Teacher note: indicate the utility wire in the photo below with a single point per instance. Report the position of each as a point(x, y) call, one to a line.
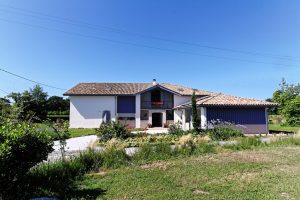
point(147, 46)
point(116, 30)
point(27, 79)
point(3, 91)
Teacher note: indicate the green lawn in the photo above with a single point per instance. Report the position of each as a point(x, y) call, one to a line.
point(278, 127)
point(268, 173)
point(77, 132)
point(74, 132)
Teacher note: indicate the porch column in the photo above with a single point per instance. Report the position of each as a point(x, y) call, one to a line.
point(138, 111)
point(183, 120)
point(203, 117)
point(164, 118)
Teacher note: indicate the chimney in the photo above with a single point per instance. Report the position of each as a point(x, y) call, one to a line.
point(154, 82)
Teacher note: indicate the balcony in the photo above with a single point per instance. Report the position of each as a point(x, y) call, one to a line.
point(157, 104)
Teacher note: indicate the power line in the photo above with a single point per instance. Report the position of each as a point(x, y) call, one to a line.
point(3, 91)
point(147, 46)
point(27, 79)
point(116, 30)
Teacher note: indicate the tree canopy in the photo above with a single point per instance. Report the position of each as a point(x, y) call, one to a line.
point(36, 103)
point(288, 99)
point(195, 116)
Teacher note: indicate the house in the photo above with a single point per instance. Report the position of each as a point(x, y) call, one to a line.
point(142, 105)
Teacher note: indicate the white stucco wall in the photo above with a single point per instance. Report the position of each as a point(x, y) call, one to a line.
point(86, 111)
point(178, 114)
point(181, 99)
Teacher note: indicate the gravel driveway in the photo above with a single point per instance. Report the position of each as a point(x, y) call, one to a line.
point(73, 147)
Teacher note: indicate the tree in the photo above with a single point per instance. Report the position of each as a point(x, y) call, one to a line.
point(57, 104)
point(33, 103)
point(22, 147)
point(196, 119)
point(287, 98)
point(4, 106)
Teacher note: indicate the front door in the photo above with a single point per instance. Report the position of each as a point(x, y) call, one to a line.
point(156, 119)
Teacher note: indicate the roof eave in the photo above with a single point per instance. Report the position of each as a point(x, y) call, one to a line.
point(161, 87)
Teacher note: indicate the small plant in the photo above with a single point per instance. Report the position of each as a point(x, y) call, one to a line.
point(61, 131)
point(149, 125)
point(175, 129)
point(114, 129)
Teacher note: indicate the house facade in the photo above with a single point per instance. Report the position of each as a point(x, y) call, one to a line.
point(146, 105)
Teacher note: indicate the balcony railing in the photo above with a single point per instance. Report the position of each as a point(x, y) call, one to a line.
point(157, 104)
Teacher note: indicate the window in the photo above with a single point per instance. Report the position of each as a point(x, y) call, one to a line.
point(144, 114)
point(155, 96)
point(106, 116)
point(170, 114)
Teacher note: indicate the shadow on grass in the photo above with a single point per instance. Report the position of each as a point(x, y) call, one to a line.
point(86, 193)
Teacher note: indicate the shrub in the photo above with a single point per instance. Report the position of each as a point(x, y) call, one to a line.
point(223, 131)
point(22, 147)
point(175, 129)
point(114, 129)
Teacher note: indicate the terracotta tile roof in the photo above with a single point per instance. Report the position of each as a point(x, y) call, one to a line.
point(207, 99)
point(126, 89)
point(219, 99)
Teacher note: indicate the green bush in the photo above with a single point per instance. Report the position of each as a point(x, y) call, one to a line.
point(114, 129)
point(22, 147)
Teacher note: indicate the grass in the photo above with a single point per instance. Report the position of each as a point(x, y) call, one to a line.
point(76, 132)
point(278, 127)
point(267, 173)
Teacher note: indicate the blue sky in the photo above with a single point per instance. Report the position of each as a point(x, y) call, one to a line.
point(62, 43)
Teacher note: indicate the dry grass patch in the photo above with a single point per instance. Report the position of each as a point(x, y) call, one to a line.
point(161, 165)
